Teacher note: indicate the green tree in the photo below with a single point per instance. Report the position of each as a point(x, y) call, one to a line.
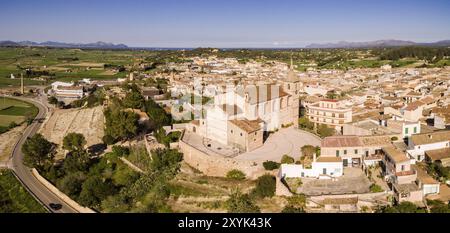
point(265, 186)
point(404, 207)
point(120, 125)
point(241, 203)
point(158, 116)
point(74, 142)
point(325, 131)
point(53, 100)
point(166, 161)
point(134, 99)
point(287, 159)
point(38, 152)
point(235, 174)
point(71, 184)
point(94, 190)
point(271, 165)
point(308, 150)
point(438, 206)
point(305, 123)
point(76, 161)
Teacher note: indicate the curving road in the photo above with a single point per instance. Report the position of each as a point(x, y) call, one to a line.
point(36, 188)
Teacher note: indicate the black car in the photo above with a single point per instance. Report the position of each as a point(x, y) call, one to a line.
point(55, 206)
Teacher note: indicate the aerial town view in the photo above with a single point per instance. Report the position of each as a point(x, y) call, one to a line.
point(225, 107)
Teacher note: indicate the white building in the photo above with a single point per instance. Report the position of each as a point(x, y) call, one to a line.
point(322, 166)
point(329, 112)
point(419, 144)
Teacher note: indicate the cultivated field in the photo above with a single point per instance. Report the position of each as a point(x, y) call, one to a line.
point(12, 110)
point(62, 64)
point(15, 198)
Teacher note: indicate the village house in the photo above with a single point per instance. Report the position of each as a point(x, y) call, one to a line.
point(348, 148)
point(401, 176)
point(419, 144)
point(321, 168)
point(329, 112)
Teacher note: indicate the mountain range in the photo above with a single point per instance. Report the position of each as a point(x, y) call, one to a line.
point(53, 44)
point(341, 44)
point(378, 44)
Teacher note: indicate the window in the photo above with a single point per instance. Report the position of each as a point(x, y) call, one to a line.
point(345, 152)
point(356, 152)
point(241, 134)
point(415, 129)
point(256, 133)
point(406, 130)
point(337, 153)
point(231, 131)
point(403, 167)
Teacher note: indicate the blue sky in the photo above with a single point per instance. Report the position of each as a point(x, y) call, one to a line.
point(224, 23)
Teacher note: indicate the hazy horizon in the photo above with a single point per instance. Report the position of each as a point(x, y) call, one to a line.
point(224, 24)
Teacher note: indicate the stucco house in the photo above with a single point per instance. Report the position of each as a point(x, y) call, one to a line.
point(418, 144)
point(348, 148)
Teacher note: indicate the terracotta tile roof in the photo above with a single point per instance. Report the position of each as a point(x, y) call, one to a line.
point(428, 100)
point(414, 105)
point(262, 93)
point(342, 141)
point(323, 159)
point(247, 125)
point(438, 154)
point(396, 155)
point(423, 176)
point(428, 138)
point(376, 140)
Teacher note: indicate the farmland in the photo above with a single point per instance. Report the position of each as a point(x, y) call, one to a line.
point(60, 64)
point(14, 197)
point(14, 111)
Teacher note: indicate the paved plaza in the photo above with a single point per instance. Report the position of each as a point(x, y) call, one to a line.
point(285, 141)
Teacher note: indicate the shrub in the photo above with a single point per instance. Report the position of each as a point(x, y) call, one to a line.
point(308, 150)
point(271, 165)
point(236, 175)
point(374, 188)
point(265, 186)
point(287, 159)
point(325, 131)
point(241, 203)
point(292, 209)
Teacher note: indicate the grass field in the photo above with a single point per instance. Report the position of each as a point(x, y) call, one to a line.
point(14, 198)
point(58, 61)
point(12, 110)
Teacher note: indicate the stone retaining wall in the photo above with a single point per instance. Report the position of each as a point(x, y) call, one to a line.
point(214, 165)
point(60, 194)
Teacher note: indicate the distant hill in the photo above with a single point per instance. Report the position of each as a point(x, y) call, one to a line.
point(377, 44)
point(8, 43)
point(54, 44)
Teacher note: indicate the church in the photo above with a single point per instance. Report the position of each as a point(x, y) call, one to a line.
point(242, 115)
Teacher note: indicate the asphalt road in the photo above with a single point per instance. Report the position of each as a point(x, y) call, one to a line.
point(36, 188)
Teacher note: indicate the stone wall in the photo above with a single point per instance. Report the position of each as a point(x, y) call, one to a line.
point(60, 194)
point(216, 165)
